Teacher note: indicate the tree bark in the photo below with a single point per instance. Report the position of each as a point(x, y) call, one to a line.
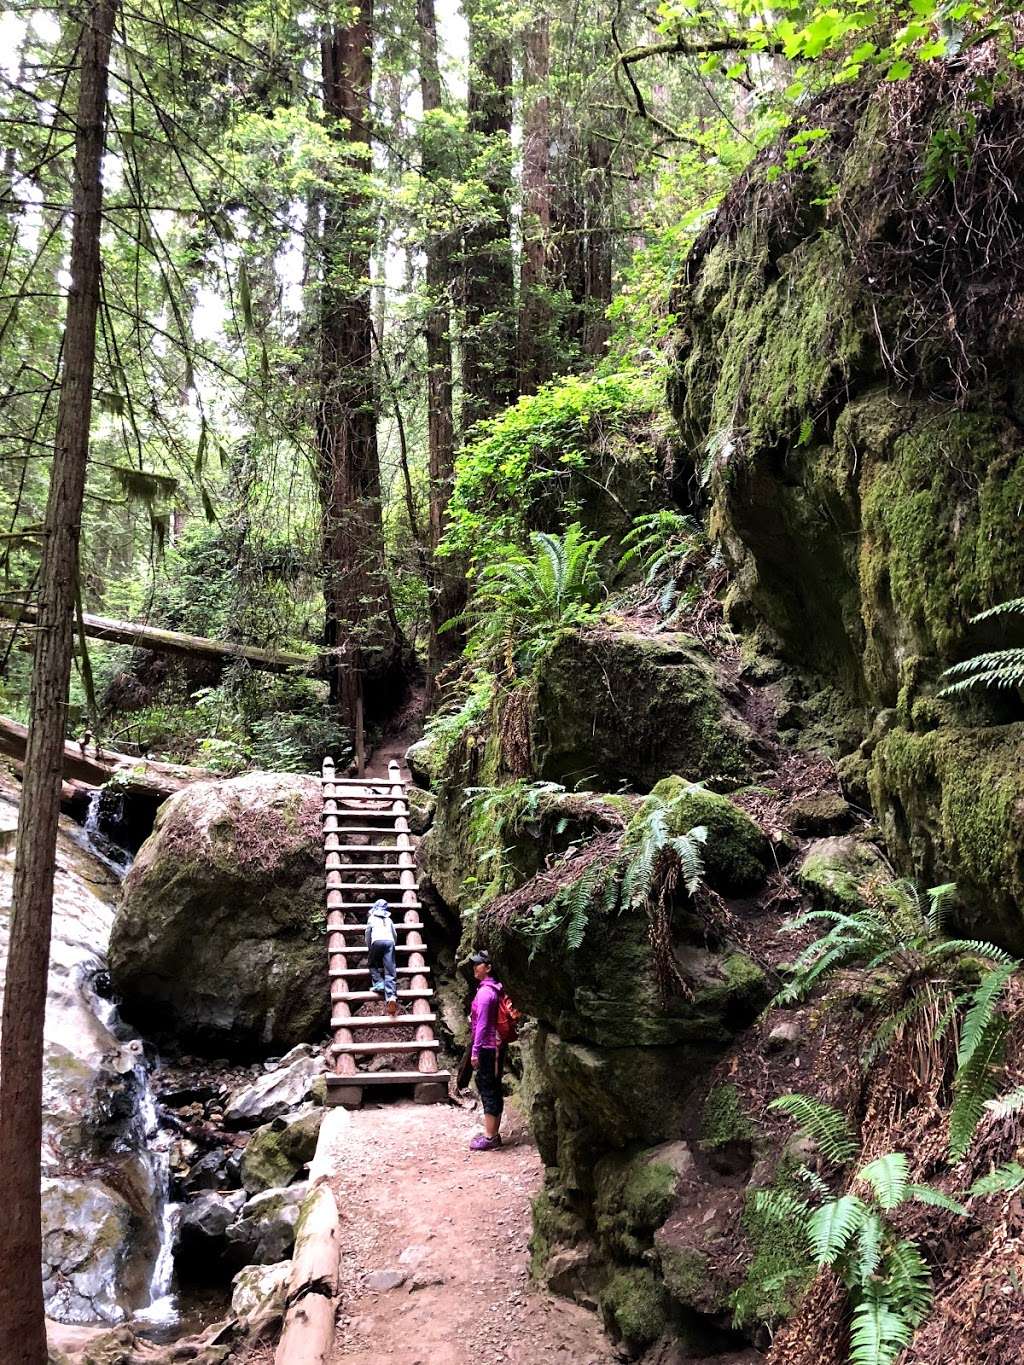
point(361, 631)
point(488, 321)
point(447, 577)
point(598, 262)
point(22, 1324)
point(534, 349)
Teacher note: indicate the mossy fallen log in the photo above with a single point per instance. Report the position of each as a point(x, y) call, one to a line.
point(181, 645)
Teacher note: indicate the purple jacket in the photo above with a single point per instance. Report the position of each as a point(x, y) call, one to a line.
point(484, 1014)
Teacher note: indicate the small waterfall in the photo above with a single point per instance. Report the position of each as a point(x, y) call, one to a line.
point(90, 837)
point(162, 1309)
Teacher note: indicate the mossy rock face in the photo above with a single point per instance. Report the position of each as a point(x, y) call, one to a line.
point(951, 803)
point(634, 1307)
point(833, 870)
point(619, 708)
point(217, 941)
point(634, 1195)
point(736, 853)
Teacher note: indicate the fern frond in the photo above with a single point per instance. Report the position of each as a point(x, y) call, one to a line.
point(892, 1023)
point(782, 1207)
point(888, 1177)
point(870, 1235)
point(971, 947)
point(974, 1084)
point(877, 1331)
point(939, 900)
point(1003, 1180)
point(984, 1002)
point(1014, 606)
point(1010, 1103)
point(831, 1228)
point(909, 1281)
point(827, 1126)
point(924, 1194)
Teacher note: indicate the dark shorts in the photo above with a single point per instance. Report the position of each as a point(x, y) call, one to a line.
point(488, 1082)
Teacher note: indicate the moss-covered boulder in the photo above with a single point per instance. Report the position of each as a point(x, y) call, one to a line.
point(277, 1152)
point(634, 1195)
point(736, 853)
point(634, 1306)
point(951, 802)
point(217, 941)
point(617, 708)
point(832, 871)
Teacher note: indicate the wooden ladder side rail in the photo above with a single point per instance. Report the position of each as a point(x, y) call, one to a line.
point(344, 1064)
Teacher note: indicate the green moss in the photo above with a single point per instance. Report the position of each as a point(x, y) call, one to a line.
point(634, 1307)
point(632, 1199)
point(952, 805)
point(779, 1271)
point(724, 1119)
point(685, 1272)
point(736, 853)
point(554, 1226)
point(628, 708)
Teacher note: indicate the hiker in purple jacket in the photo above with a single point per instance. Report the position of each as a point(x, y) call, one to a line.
point(484, 1049)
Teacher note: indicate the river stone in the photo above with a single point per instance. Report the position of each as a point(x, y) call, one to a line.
point(273, 1094)
point(279, 1150)
point(265, 1232)
point(258, 1289)
point(86, 1229)
point(217, 941)
point(202, 1232)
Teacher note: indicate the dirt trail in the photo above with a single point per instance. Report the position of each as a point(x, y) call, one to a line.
point(453, 1226)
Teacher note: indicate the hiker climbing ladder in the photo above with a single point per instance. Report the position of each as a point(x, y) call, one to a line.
point(369, 856)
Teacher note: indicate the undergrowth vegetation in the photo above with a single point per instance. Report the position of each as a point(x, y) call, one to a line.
point(947, 989)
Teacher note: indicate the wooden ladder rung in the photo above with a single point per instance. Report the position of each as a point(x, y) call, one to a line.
point(371, 886)
point(362, 781)
point(363, 1078)
point(361, 829)
point(358, 950)
point(361, 928)
point(365, 971)
point(365, 905)
point(381, 1020)
point(386, 1045)
point(373, 867)
point(425, 994)
point(370, 848)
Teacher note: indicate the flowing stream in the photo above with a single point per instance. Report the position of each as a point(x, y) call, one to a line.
point(154, 1138)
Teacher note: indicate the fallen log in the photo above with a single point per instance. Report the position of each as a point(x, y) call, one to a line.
point(88, 765)
point(176, 643)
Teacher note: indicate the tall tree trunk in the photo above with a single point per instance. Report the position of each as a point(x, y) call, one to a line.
point(488, 323)
point(361, 632)
point(598, 262)
point(534, 350)
point(447, 577)
point(22, 1325)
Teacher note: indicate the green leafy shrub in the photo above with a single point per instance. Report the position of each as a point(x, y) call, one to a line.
point(885, 1276)
point(546, 461)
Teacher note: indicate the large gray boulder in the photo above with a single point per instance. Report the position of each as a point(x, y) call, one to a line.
point(275, 1093)
point(218, 939)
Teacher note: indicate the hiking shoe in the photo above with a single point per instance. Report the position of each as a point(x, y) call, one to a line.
point(482, 1143)
point(392, 1008)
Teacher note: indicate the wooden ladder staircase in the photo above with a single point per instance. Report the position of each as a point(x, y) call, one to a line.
point(368, 854)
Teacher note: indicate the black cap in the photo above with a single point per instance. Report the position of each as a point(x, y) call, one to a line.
point(482, 956)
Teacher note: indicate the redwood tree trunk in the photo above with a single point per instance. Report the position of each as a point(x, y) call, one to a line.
point(447, 577)
point(535, 362)
point(22, 1324)
point(488, 322)
point(361, 633)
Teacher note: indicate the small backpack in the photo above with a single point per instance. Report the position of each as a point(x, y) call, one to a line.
point(508, 1020)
